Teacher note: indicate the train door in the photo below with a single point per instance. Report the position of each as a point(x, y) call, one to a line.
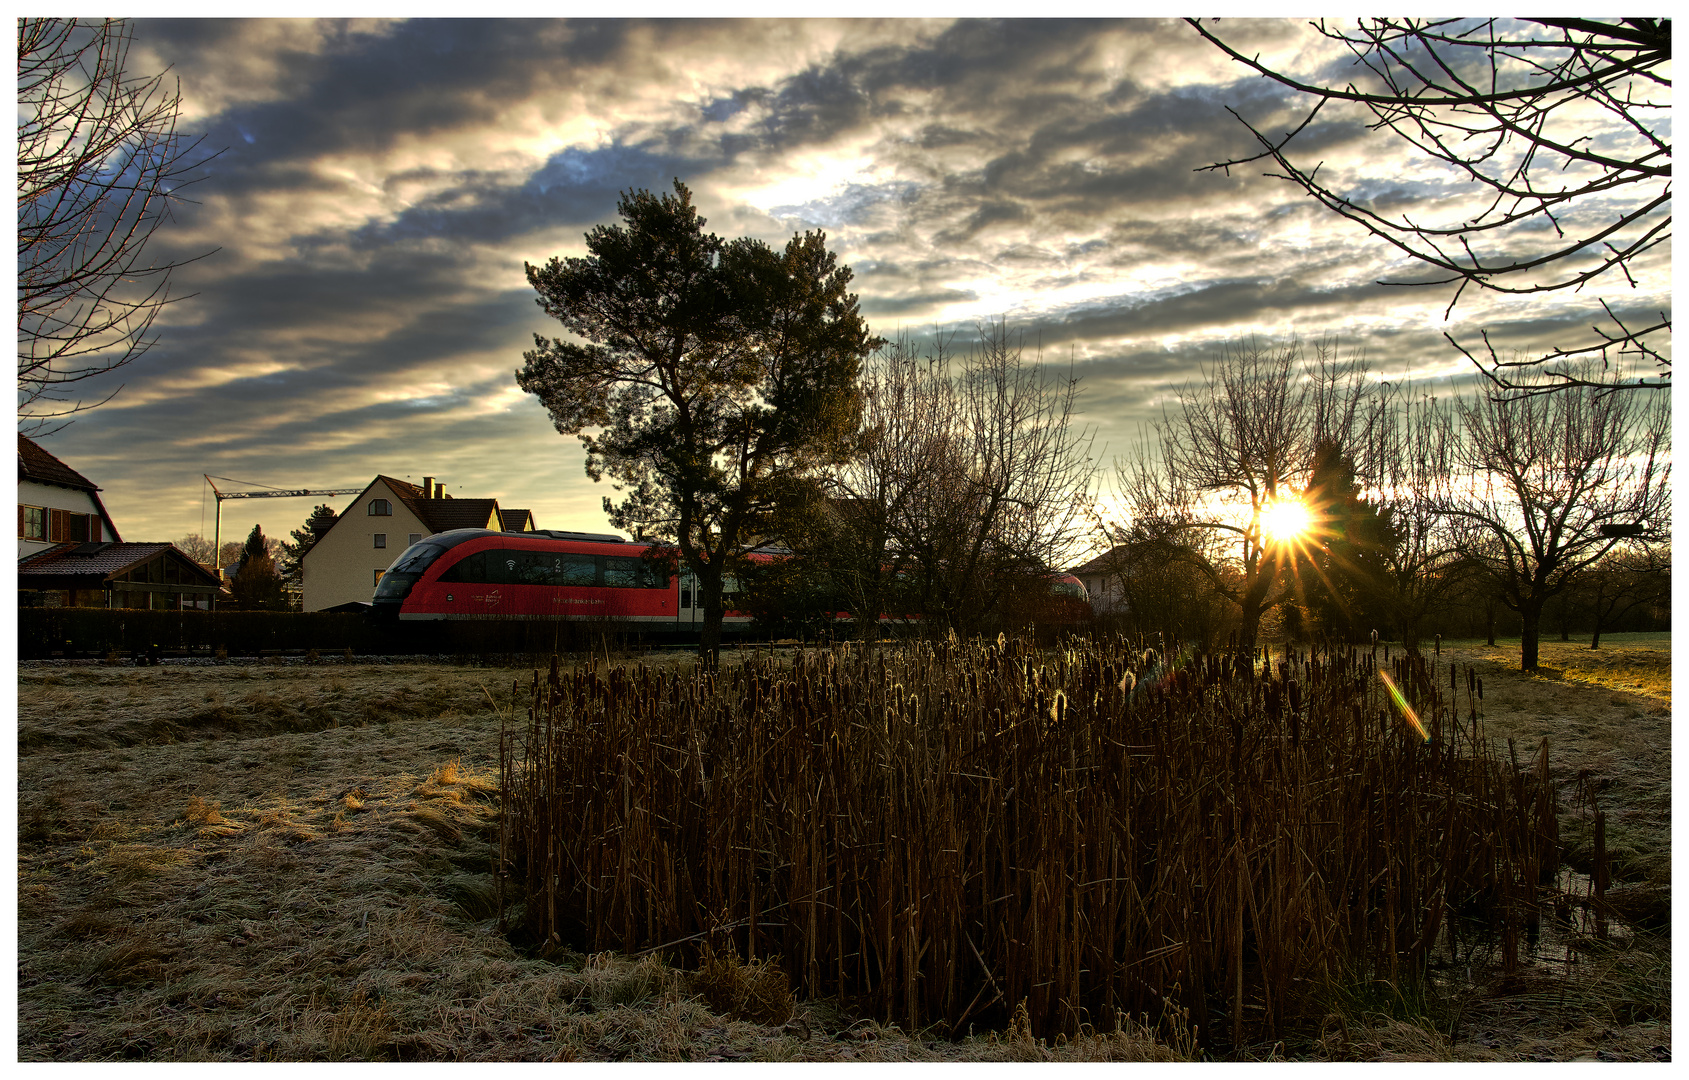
point(691, 613)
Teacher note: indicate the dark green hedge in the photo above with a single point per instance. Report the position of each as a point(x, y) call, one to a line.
point(47, 632)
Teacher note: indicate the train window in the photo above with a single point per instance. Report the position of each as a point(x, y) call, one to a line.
point(623, 573)
point(579, 570)
point(547, 568)
point(469, 568)
point(508, 566)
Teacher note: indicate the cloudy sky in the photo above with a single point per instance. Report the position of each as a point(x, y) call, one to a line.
point(382, 184)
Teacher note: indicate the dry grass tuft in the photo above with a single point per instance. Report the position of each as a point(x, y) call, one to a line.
point(201, 812)
point(757, 991)
point(359, 1031)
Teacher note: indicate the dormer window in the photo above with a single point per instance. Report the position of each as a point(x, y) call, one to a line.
point(380, 508)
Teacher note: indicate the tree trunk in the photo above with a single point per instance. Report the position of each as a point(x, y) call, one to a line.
point(709, 635)
point(1600, 613)
point(1530, 629)
point(1249, 626)
point(1489, 618)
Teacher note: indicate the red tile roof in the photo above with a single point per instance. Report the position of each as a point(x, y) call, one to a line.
point(443, 514)
point(37, 464)
point(99, 560)
point(516, 520)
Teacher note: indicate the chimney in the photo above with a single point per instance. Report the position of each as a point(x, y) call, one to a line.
point(427, 487)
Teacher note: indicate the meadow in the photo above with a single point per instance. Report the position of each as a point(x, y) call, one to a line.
point(270, 861)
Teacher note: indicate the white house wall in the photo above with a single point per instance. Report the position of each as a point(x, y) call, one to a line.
point(54, 497)
point(341, 567)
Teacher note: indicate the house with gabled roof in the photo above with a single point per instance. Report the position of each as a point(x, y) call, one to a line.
point(56, 504)
point(344, 564)
point(1104, 582)
point(110, 574)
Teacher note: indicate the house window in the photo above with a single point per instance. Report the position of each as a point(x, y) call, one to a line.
point(64, 526)
point(378, 574)
point(415, 538)
point(380, 508)
point(32, 523)
point(380, 540)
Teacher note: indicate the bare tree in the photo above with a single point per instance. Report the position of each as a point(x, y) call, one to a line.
point(972, 486)
point(197, 548)
point(1546, 485)
point(1627, 578)
point(1242, 440)
point(100, 163)
point(1561, 129)
point(1411, 469)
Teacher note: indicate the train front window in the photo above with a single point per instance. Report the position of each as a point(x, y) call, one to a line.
point(416, 558)
point(394, 585)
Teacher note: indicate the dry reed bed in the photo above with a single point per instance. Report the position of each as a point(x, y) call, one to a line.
point(944, 835)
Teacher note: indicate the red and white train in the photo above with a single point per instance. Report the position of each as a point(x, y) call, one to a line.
point(602, 578)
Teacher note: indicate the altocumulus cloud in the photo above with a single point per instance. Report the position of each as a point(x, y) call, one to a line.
point(384, 182)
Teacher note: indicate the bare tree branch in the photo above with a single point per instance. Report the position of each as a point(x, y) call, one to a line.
point(1558, 133)
point(100, 164)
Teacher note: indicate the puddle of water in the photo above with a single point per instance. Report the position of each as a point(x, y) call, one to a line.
point(1564, 924)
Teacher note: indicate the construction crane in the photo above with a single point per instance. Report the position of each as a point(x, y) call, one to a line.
point(274, 493)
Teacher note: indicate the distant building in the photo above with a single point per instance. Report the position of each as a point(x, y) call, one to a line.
point(56, 504)
point(345, 563)
point(109, 574)
point(1102, 577)
point(516, 520)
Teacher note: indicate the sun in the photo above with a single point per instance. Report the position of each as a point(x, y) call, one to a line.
point(1286, 520)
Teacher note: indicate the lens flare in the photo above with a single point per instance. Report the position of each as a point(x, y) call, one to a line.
point(1285, 520)
point(1401, 703)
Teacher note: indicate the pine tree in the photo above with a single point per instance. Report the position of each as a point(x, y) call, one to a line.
point(715, 377)
point(1344, 576)
point(292, 561)
point(257, 585)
